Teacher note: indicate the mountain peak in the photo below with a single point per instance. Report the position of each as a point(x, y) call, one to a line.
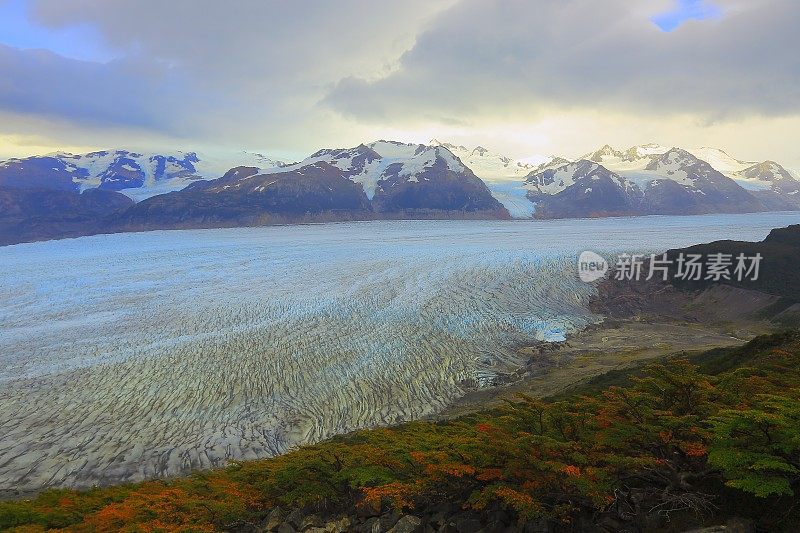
point(643, 151)
point(767, 171)
point(605, 151)
point(673, 160)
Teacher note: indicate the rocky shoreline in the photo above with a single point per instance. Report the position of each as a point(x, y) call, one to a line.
point(448, 518)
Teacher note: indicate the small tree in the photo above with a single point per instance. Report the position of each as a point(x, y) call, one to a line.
point(758, 448)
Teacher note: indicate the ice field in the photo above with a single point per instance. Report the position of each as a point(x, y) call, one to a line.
point(137, 355)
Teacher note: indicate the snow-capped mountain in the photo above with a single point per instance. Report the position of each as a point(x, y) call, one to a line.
point(135, 174)
point(684, 184)
point(383, 179)
point(554, 180)
point(397, 176)
point(634, 158)
point(629, 158)
point(582, 189)
point(769, 181)
point(553, 162)
point(772, 183)
point(640, 156)
point(40, 172)
point(369, 164)
point(774, 174)
point(603, 154)
point(644, 166)
point(648, 180)
point(636, 164)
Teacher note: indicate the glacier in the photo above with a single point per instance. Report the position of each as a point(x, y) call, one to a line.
point(139, 355)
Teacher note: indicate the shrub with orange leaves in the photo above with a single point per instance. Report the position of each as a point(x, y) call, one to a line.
point(522, 503)
point(694, 449)
point(399, 495)
point(572, 470)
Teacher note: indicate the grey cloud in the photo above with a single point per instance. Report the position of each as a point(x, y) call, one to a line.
point(267, 42)
point(41, 83)
point(493, 56)
point(209, 70)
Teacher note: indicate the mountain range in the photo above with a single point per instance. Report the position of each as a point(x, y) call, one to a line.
point(642, 180)
point(64, 194)
point(379, 180)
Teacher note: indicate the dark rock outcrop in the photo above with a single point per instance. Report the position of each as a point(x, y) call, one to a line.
point(123, 173)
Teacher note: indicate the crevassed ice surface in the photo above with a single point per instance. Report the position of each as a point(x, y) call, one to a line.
point(130, 356)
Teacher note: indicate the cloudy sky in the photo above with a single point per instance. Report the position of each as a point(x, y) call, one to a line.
point(287, 77)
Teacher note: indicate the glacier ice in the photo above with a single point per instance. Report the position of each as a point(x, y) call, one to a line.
point(129, 356)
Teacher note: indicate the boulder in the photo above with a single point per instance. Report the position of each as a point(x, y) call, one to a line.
point(407, 524)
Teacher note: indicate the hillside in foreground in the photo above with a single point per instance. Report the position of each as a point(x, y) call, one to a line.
point(688, 442)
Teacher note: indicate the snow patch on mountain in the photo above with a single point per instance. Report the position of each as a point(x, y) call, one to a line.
point(720, 159)
point(645, 150)
point(487, 165)
point(673, 165)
